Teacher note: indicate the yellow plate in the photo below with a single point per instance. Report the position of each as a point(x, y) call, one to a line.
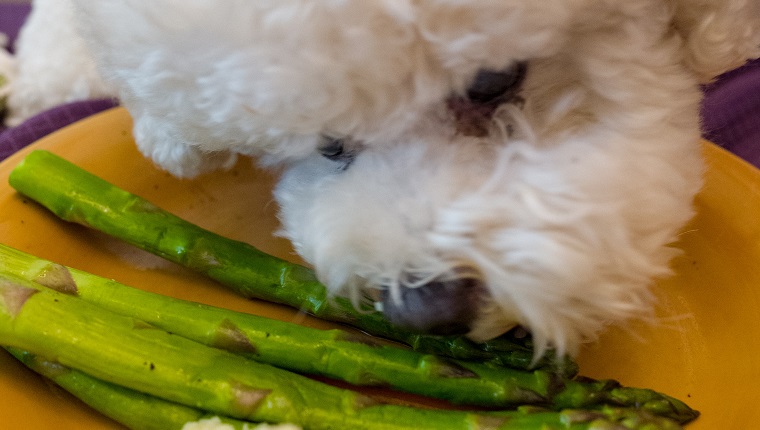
point(706, 351)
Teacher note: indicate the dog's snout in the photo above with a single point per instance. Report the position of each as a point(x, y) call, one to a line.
point(442, 306)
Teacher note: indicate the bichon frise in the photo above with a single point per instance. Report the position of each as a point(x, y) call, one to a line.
point(470, 165)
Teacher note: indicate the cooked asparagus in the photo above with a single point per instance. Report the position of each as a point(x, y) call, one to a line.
point(127, 352)
point(135, 410)
point(332, 353)
point(354, 358)
point(123, 351)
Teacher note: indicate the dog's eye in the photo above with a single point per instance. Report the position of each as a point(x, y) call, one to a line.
point(339, 150)
point(331, 148)
point(497, 86)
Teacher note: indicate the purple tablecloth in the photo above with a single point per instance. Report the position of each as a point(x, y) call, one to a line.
point(731, 110)
point(38, 126)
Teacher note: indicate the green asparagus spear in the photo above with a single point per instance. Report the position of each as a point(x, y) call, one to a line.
point(78, 196)
point(129, 352)
point(133, 409)
point(140, 411)
point(337, 354)
point(333, 354)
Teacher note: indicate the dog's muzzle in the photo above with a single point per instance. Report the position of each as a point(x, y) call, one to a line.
point(441, 307)
point(446, 305)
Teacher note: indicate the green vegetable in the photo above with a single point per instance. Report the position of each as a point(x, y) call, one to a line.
point(333, 353)
point(131, 408)
point(128, 352)
point(140, 411)
point(78, 196)
point(353, 358)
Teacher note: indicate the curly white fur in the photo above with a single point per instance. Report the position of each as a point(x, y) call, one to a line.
point(53, 66)
point(564, 209)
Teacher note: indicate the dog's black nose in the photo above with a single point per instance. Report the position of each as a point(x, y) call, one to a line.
point(440, 307)
point(497, 86)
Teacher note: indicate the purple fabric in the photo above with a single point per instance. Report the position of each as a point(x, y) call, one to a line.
point(731, 112)
point(12, 16)
point(38, 126)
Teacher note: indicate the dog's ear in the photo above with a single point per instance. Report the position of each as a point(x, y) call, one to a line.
point(718, 34)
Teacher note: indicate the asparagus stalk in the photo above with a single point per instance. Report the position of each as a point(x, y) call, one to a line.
point(337, 354)
point(133, 409)
point(140, 411)
point(334, 354)
point(78, 196)
point(128, 352)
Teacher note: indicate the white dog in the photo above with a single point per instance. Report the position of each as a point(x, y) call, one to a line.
point(471, 165)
